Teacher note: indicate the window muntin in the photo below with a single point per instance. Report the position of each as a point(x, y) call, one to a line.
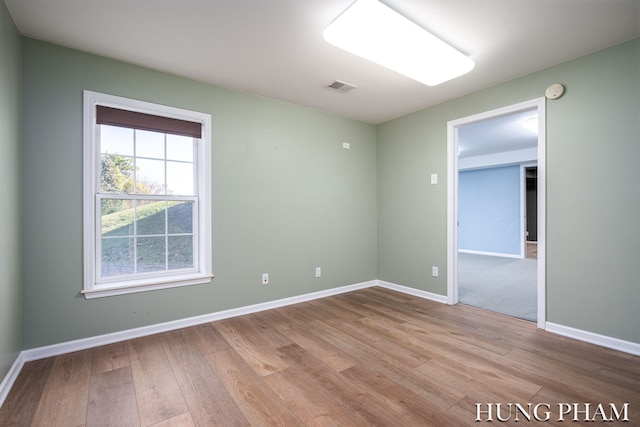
point(144, 235)
point(147, 212)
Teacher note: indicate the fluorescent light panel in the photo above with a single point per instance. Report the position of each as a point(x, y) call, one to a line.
point(377, 33)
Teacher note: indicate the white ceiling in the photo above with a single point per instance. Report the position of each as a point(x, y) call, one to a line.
point(497, 135)
point(275, 48)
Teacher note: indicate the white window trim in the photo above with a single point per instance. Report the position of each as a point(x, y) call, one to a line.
point(91, 166)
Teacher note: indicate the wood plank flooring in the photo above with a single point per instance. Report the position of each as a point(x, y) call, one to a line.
point(370, 357)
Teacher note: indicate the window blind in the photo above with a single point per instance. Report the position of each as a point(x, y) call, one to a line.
point(136, 120)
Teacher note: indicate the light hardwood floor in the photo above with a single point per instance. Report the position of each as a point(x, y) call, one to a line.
point(370, 357)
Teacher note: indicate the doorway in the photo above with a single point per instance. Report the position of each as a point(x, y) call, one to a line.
point(456, 130)
point(531, 211)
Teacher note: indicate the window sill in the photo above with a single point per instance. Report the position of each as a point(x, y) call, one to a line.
point(107, 290)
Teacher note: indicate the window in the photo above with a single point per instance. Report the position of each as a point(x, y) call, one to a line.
point(147, 193)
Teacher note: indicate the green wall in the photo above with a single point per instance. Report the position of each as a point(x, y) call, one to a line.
point(10, 292)
point(286, 197)
point(593, 196)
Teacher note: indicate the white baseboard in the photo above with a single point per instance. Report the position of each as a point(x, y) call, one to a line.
point(10, 378)
point(590, 337)
point(412, 291)
point(577, 334)
point(96, 341)
point(85, 343)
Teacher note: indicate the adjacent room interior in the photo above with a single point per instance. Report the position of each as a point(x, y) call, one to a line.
point(290, 262)
point(497, 214)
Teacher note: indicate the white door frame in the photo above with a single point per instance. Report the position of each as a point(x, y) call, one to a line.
point(452, 198)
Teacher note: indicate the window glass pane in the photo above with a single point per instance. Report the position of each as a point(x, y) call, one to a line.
point(180, 252)
point(180, 217)
point(150, 217)
point(116, 218)
point(116, 140)
point(151, 254)
point(180, 179)
point(116, 173)
point(180, 148)
point(150, 176)
point(149, 144)
point(117, 256)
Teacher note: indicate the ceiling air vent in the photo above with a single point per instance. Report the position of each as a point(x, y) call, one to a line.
point(342, 86)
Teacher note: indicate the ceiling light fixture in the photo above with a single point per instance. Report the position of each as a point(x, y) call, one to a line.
point(377, 33)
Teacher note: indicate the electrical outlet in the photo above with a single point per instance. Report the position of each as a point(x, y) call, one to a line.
point(265, 278)
point(346, 145)
point(318, 272)
point(434, 178)
point(434, 271)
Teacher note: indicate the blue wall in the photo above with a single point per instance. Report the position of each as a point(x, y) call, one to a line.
point(489, 210)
